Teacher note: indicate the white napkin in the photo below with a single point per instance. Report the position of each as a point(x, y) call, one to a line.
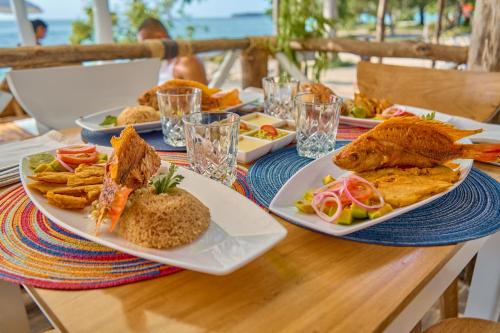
point(490, 134)
point(12, 152)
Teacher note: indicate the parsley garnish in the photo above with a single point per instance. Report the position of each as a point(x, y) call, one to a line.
point(109, 120)
point(429, 116)
point(166, 182)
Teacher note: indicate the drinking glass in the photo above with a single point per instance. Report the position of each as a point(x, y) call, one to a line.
point(279, 93)
point(317, 123)
point(212, 144)
point(174, 103)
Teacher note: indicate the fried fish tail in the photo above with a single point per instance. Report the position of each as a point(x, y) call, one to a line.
point(486, 152)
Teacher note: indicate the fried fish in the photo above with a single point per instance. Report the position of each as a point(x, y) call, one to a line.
point(412, 142)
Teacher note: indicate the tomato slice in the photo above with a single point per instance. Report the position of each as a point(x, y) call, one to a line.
point(244, 127)
point(359, 190)
point(117, 206)
point(269, 129)
point(77, 159)
point(78, 149)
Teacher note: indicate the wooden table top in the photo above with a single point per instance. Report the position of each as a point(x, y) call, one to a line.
point(308, 282)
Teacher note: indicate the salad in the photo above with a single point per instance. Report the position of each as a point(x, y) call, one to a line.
point(269, 132)
point(344, 201)
point(67, 159)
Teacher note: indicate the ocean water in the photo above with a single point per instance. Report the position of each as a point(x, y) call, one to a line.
point(205, 28)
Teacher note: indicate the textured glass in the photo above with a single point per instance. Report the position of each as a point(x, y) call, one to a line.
point(175, 103)
point(278, 96)
point(212, 144)
point(317, 123)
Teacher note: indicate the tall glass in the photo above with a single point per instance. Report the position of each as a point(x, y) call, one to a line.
point(212, 144)
point(317, 123)
point(174, 103)
point(279, 93)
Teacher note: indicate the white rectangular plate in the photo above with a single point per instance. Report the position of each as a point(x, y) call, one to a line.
point(369, 123)
point(92, 121)
point(232, 240)
point(311, 176)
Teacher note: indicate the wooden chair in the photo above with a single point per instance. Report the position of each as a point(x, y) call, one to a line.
point(57, 96)
point(465, 325)
point(474, 95)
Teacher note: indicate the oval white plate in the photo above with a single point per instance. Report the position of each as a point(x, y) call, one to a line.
point(310, 177)
point(91, 122)
point(369, 123)
point(232, 240)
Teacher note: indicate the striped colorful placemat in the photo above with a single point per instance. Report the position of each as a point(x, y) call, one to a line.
point(37, 252)
point(155, 138)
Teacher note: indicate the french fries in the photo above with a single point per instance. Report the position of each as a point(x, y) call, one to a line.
point(70, 190)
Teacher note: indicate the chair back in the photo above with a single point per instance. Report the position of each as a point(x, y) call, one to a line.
point(57, 96)
point(474, 95)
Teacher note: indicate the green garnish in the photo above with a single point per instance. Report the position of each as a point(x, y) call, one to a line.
point(429, 116)
point(166, 182)
point(109, 120)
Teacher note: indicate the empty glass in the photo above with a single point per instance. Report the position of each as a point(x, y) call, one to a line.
point(175, 103)
point(279, 93)
point(212, 144)
point(317, 123)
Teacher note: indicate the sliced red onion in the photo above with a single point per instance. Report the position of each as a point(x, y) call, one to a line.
point(67, 167)
point(328, 187)
point(356, 201)
point(319, 201)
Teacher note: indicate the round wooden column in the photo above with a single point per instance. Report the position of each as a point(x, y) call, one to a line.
point(253, 67)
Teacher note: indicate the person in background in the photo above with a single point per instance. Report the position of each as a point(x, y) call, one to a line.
point(188, 68)
point(40, 29)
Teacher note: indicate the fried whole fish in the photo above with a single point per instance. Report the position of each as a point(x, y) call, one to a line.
point(412, 142)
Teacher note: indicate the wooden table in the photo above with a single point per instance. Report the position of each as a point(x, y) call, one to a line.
point(308, 282)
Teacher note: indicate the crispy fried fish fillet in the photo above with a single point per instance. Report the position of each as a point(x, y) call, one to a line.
point(149, 96)
point(411, 142)
point(130, 167)
point(403, 187)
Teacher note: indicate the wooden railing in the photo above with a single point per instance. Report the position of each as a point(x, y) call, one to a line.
point(254, 56)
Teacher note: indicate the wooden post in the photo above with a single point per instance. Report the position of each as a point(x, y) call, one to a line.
point(437, 32)
point(380, 28)
point(484, 50)
point(449, 301)
point(253, 67)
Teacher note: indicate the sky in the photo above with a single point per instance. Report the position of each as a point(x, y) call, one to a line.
point(71, 9)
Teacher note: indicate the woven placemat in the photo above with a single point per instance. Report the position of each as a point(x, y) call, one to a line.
point(470, 211)
point(154, 138)
point(37, 252)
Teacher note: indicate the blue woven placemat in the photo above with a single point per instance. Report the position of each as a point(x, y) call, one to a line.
point(470, 211)
point(154, 138)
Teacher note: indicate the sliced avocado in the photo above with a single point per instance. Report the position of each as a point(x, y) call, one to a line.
point(345, 217)
point(328, 179)
point(308, 196)
point(304, 206)
point(56, 166)
point(43, 167)
point(358, 112)
point(380, 212)
point(358, 212)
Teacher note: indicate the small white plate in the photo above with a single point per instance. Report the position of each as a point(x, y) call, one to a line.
point(92, 121)
point(369, 123)
point(267, 145)
point(310, 177)
point(232, 240)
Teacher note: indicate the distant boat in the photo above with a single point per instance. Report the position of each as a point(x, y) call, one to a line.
point(248, 14)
